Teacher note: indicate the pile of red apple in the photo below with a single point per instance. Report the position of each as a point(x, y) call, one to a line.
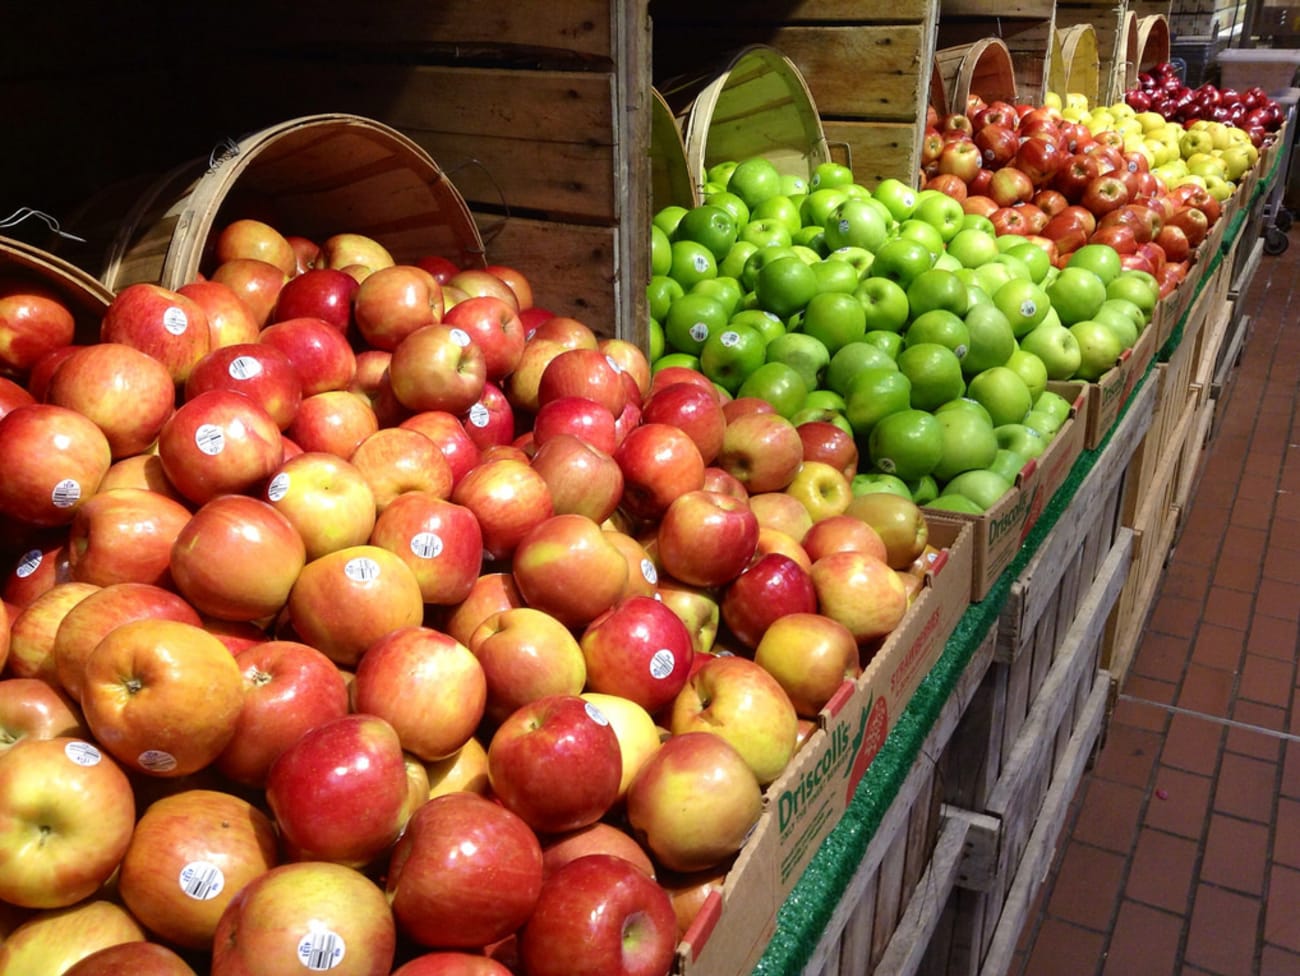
point(1162, 90)
point(362, 615)
point(1034, 173)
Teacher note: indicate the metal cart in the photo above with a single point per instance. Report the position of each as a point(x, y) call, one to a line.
point(1277, 219)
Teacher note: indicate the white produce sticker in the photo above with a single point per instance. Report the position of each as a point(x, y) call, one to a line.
point(201, 880)
point(82, 753)
point(321, 950)
point(1028, 308)
point(478, 415)
point(278, 488)
point(426, 545)
point(595, 714)
point(701, 263)
point(66, 493)
point(244, 368)
point(29, 564)
point(699, 331)
point(613, 364)
point(460, 337)
point(175, 320)
point(662, 664)
point(210, 439)
point(363, 569)
point(729, 338)
point(156, 761)
point(649, 572)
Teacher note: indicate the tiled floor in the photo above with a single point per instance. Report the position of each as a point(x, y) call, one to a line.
point(1181, 854)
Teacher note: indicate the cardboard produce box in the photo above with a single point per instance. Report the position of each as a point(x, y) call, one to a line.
point(806, 803)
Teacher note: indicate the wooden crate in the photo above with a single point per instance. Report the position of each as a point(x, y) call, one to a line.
point(887, 916)
point(867, 66)
point(562, 193)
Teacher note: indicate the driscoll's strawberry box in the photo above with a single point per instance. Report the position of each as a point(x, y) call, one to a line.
point(804, 805)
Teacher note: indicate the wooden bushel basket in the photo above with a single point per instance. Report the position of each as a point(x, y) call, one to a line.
point(757, 105)
point(312, 176)
point(1128, 50)
point(982, 69)
point(83, 295)
point(671, 183)
point(1082, 64)
point(1153, 41)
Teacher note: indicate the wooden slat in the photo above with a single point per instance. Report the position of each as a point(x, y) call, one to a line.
point(877, 150)
point(667, 13)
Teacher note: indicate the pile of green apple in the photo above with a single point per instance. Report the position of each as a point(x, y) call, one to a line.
point(891, 313)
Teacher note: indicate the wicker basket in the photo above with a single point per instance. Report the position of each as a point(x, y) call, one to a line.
point(670, 174)
point(982, 69)
point(1153, 41)
point(312, 176)
point(84, 295)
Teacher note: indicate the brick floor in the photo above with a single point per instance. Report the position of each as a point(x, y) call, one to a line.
point(1184, 855)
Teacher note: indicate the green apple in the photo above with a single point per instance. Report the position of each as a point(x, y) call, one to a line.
point(875, 393)
point(859, 258)
point(806, 254)
point(1043, 422)
point(941, 212)
point(809, 414)
point(731, 203)
point(968, 443)
point(654, 339)
point(992, 275)
point(766, 324)
point(901, 259)
point(811, 237)
point(661, 251)
point(760, 259)
point(1099, 348)
point(711, 226)
point(835, 319)
point(1056, 346)
point(891, 342)
point(1139, 317)
point(992, 340)
point(924, 489)
point(1002, 393)
point(730, 354)
point(935, 288)
point(733, 264)
point(885, 302)
point(1015, 264)
point(899, 198)
point(754, 180)
point(816, 208)
point(973, 247)
point(803, 353)
point(852, 359)
point(683, 359)
point(690, 321)
point(779, 208)
point(923, 233)
point(1036, 260)
point(1119, 323)
point(830, 174)
point(934, 372)
point(908, 443)
point(939, 326)
point(766, 233)
point(824, 399)
point(1052, 403)
point(964, 403)
point(855, 223)
point(785, 286)
point(727, 292)
point(794, 185)
point(1030, 369)
point(982, 486)
point(976, 221)
point(1025, 441)
point(667, 218)
point(1008, 464)
point(660, 293)
point(720, 173)
point(778, 384)
point(869, 482)
point(955, 503)
point(1132, 286)
point(1076, 294)
point(840, 277)
point(691, 262)
point(1101, 259)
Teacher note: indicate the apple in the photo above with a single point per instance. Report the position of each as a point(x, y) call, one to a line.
point(660, 463)
point(463, 771)
point(490, 421)
point(345, 600)
point(318, 351)
point(582, 479)
point(638, 650)
point(230, 320)
point(568, 567)
point(556, 763)
point(53, 459)
point(35, 709)
point(694, 802)
point(33, 629)
point(763, 451)
point(597, 838)
point(428, 686)
point(1056, 347)
point(257, 283)
point(509, 498)
point(326, 499)
point(162, 323)
point(212, 552)
point(143, 471)
point(339, 792)
point(465, 874)
point(163, 696)
point(439, 541)
point(310, 915)
point(449, 435)
point(860, 591)
point(1099, 348)
point(496, 329)
point(251, 238)
point(139, 958)
point(771, 587)
point(821, 488)
point(219, 442)
point(332, 422)
point(706, 538)
point(391, 303)
point(898, 521)
point(126, 392)
point(488, 594)
point(620, 922)
point(526, 655)
point(780, 511)
point(578, 416)
point(695, 607)
point(33, 323)
point(397, 460)
point(320, 293)
point(258, 370)
point(289, 688)
point(54, 854)
point(189, 855)
point(124, 535)
point(55, 940)
point(810, 656)
point(438, 367)
point(98, 613)
point(583, 373)
point(694, 410)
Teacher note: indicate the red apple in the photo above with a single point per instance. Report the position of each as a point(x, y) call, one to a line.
point(438, 367)
point(861, 591)
point(582, 479)
point(137, 958)
point(217, 443)
point(638, 650)
point(395, 460)
point(392, 303)
point(826, 442)
point(660, 463)
point(124, 535)
point(33, 629)
point(256, 282)
point(53, 459)
point(496, 329)
point(508, 498)
point(33, 323)
point(449, 435)
point(230, 321)
point(318, 351)
point(320, 293)
point(706, 539)
point(326, 499)
point(810, 656)
point(567, 566)
point(34, 709)
point(693, 409)
point(127, 393)
point(773, 586)
point(490, 421)
point(526, 655)
point(258, 370)
point(161, 323)
point(440, 541)
point(56, 939)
